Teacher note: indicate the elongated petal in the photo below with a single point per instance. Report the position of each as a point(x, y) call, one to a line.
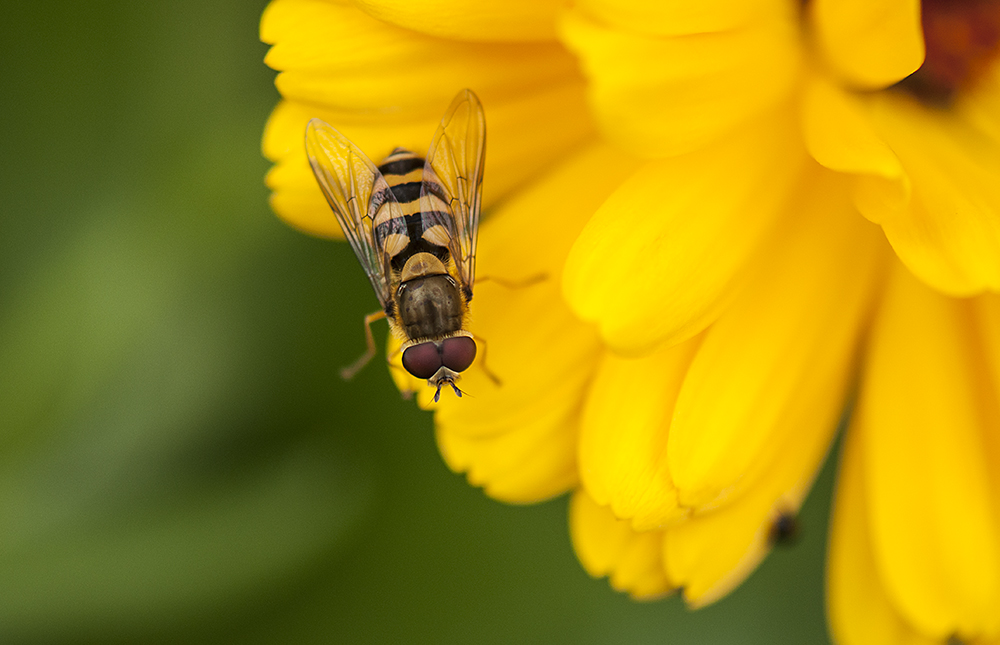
point(660, 96)
point(869, 43)
point(987, 316)
point(778, 361)
point(533, 344)
point(949, 233)
point(860, 611)
point(659, 259)
point(339, 56)
point(610, 547)
point(678, 18)
point(527, 133)
point(479, 20)
point(709, 554)
point(840, 135)
point(526, 463)
point(623, 437)
point(929, 424)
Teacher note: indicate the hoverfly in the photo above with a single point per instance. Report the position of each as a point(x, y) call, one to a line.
point(412, 222)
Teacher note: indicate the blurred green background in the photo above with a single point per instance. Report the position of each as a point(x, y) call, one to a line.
point(180, 461)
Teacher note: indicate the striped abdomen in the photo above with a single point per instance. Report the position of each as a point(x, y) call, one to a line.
point(404, 172)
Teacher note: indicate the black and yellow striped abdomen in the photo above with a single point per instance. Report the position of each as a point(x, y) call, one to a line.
point(404, 173)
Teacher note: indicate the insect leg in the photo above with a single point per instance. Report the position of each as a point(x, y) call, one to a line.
point(515, 284)
point(348, 372)
point(482, 363)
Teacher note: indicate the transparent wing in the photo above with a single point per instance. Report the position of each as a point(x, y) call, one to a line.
point(454, 174)
point(365, 207)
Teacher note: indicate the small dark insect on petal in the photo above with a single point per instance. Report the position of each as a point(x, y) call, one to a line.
point(784, 530)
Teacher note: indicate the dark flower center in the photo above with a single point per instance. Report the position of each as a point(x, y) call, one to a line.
point(962, 38)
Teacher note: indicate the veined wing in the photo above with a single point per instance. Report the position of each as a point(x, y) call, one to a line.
point(454, 174)
point(360, 197)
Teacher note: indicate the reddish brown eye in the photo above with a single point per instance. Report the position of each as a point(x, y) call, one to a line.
point(458, 353)
point(422, 360)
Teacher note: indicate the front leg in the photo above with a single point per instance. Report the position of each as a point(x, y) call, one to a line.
point(348, 372)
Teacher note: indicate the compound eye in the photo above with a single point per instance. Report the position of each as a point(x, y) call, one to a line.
point(422, 360)
point(458, 352)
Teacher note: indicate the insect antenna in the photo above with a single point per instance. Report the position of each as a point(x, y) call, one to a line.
point(437, 393)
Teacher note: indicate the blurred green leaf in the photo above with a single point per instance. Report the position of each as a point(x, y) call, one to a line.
point(124, 568)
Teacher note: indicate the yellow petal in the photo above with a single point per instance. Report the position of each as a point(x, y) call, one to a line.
point(661, 96)
point(987, 316)
point(338, 56)
point(870, 43)
point(949, 233)
point(794, 371)
point(765, 389)
point(840, 136)
point(675, 18)
point(979, 106)
point(623, 435)
point(543, 355)
point(481, 20)
point(525, 464)
point(928, 418)
point(610, 547)
point(658, 260)
point(526, 135)
point(860, 611)
point(298, 31)
point(778, 361)
point(710, 554)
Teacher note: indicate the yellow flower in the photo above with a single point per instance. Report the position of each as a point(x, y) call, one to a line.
point(708, 188)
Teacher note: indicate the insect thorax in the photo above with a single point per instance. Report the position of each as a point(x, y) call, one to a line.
point(429, 306)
